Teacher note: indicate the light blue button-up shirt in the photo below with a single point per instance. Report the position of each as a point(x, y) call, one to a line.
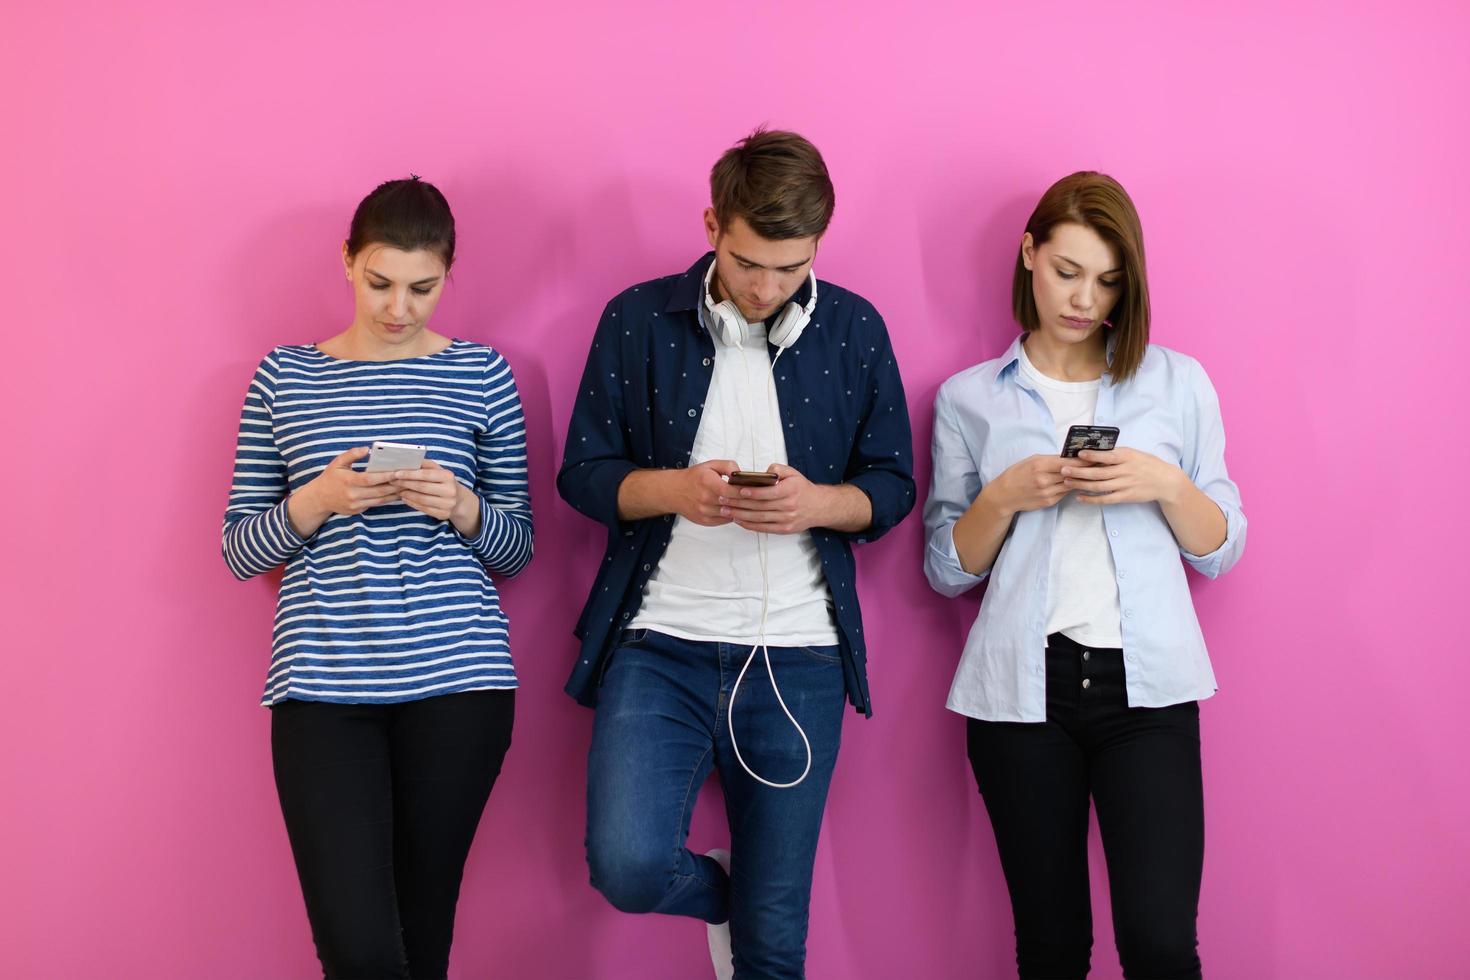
point(987, 418)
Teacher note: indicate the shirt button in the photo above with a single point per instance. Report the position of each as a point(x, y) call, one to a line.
point(705, 362)
point(1086, 654)
point(1122, 574)
point(1128, 613)
point(1113, 533)
point(1086, 683)
point(693, 413)
point(645, 568)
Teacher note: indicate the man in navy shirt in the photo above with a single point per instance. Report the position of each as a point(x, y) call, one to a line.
point(723, 630)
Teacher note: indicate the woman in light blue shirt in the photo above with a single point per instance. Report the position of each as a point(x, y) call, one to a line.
point(1082, 673)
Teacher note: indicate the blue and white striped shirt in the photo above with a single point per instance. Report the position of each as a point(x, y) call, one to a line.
point(391, 604)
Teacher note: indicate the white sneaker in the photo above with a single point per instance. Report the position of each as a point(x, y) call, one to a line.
point(719, 935)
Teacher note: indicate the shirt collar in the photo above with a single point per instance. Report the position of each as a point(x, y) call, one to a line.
point(1010, 361)
point(688, 291)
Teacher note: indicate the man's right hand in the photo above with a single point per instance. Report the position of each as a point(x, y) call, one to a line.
point(701, 490)
point(693, 493)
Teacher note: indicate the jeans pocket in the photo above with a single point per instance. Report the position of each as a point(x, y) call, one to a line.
point(826, 655)
point(632, 636)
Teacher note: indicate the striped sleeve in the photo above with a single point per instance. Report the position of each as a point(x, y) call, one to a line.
point(502, 483)
point(257, 534)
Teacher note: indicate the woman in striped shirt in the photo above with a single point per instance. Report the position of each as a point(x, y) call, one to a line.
point(391, 684)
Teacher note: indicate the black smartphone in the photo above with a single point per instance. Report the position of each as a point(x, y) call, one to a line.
point(752, 478)
point(1080, 437)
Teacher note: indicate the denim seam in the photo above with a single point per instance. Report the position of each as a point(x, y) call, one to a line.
point(681, 845)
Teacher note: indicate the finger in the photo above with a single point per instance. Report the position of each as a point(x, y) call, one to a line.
point(780, 491)
point(429, 464)
point(425, 484)
point(433, 506)
point(358, 506)
point(744, 515)
point(782, 470)
point(761, 506)
point(374, 500)
point(724, 467)
point(767, 528)
point(1101, 455)
point(350, 456)
point(1092, 472)
point(1104, 486)
point(1106, 498)
point(357, 479)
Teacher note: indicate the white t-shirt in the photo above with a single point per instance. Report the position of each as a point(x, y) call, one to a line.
point(708, 583)
point(1083, 600)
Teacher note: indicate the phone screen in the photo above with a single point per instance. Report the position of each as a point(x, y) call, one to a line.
point(1080, 437)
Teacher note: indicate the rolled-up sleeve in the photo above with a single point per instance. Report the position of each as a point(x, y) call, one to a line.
point(1204, 462)
point(955, 485)
point(882, 460)
point(597, 458)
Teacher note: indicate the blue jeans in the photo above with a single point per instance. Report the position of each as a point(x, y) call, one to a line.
point(661, 726)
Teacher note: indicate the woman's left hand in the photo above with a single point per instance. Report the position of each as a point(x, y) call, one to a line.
point(1124, 476)
point(431, 489)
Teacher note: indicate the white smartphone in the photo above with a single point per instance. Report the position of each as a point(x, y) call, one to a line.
point(387, 456)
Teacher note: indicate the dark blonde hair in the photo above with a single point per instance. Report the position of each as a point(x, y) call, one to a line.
point(1099, 202)
point(777, 182)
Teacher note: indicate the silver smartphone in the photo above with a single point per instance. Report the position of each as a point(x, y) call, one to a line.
point(387, 456)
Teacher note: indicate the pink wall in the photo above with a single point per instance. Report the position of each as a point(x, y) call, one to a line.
point(176, 184)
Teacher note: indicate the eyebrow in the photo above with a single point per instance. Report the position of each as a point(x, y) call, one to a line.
point(780, 268)
point(420, 282)
point(1079, 265)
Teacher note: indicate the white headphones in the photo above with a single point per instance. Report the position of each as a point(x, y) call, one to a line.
point(730, 324)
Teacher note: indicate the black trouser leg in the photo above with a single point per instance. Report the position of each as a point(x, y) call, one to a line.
point(380, 804)
point(1142, 768)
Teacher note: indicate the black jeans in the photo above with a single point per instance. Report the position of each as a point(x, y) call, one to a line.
point(1141, 767)
point(381, 803)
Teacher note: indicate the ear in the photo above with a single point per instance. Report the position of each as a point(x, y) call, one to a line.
point(1028, 251)
point(346, 261)
point(711, 227)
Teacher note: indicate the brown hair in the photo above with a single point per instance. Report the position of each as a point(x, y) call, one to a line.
point(407, 214)
point(777, 182)
point(1099, 202)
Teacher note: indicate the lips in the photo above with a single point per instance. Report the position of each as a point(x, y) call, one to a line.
point(1081, 323)
point(395, 327)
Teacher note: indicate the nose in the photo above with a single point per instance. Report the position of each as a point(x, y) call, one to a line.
point(398, 305)
point(1083, 297)
point(768, 287)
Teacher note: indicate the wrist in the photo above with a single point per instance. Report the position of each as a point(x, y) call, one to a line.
point(1176, 487)
point(466, 509)
point(305, 511)
point(986, 503)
